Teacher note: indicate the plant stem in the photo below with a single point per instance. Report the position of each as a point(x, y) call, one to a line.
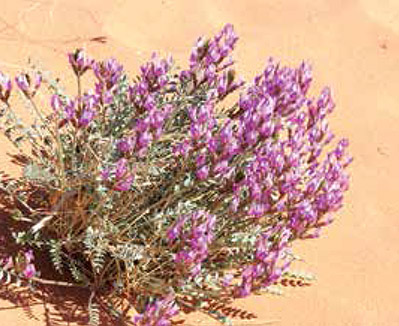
point(57, 283)
point(16, 198)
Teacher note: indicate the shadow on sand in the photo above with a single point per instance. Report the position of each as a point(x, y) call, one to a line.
point(62, 306)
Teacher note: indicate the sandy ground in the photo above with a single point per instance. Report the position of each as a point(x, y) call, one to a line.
point(354, 48)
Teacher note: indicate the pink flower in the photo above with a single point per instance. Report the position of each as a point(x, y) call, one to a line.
point(69, 110)
point(203, 172)
point(121, 168)
point(124, 179)
point(125, 145)
point(38, 82)
point(221, 167)
point(108, 72)
point(26, 85)
point(79, 62)
point(29, 256)
point(29, 271)
point(105, 173)
point(22, 82)
point(86, 117)
point(125, 184)
point(5, 87)
point(56, 102)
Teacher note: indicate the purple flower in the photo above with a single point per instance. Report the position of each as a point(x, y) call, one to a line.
point(144, 139)
point(255, 191)
point(126, 144)
point(222, 85)
point(142, 124)
point(200, 160)
point(79, 62)
point(56, 103)
point(182, 149)
point(305, 76)
point(271, 260)
point(105, 174)
point(29, 256)
point(108, 72)
point(69, 110)
point(124, 184)
point(195, 132)
point(257, 209)
point(25, 84)
point(340, 150)
point(124, 179)
point(121, 168)
point(172, 233)
point(86, 117)
point(221, 167)
point(5, 82)
point(266, 129)
point(38, 82)
point(22, 82)
point(157, 119)
point(158, 313)
point(251, 137)
point(209, 59)
point(212, 145)
point(226, 132)
point(153, 79)
point(90, 100)
point(203, 172)
point(5, 87)
point(196, 240)
point(29, 271)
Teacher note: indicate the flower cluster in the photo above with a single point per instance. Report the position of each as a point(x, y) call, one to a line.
point(28, 84)
point(202, 122)
point(79, 117)
point(84, 108)
point(271, 261)
point(146, 130)
point(108, 73)
point(158, 313)
point(122, 176)
point(89, 105)
point(29, 270)
point(153, 79)
point(195, 240)
point(210, 63)
point(286, 132)
point(22, 264)
point(80, 62)
point(208, 57)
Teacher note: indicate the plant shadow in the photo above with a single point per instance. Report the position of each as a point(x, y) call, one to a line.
point(59, 306)
point(62, 306)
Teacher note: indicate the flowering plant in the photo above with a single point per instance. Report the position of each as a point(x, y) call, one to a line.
point(156, 191)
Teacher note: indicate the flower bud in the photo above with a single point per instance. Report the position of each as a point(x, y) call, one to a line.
point(5, 87)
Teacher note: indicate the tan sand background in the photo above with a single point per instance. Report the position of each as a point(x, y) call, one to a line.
point(354, 48)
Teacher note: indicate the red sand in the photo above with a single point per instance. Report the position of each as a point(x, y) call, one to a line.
point(354, 48)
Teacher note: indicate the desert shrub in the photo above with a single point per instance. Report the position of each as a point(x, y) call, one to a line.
point(158, 191)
